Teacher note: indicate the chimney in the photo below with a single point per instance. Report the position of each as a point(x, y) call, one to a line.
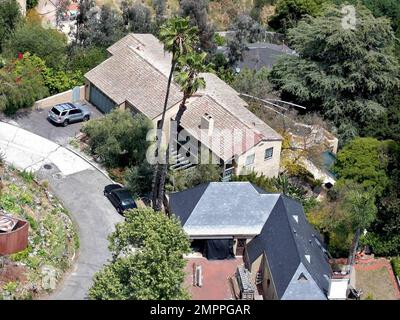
point(207, 123)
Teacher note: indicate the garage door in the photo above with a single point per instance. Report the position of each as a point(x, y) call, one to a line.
point(100, 100)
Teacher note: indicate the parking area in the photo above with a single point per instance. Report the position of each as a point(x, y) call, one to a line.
point(36, 122)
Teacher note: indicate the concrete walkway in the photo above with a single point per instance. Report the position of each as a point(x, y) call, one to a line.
point(80, 187)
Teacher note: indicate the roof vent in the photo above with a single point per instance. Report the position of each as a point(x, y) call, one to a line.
point(207, 123)
point(308, 257)
point(294, 231)
point(295, 217)
point(302, 277)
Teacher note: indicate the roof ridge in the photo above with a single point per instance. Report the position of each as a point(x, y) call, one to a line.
point(152, 65)
point(283, 196)
point(194, 208)
point(133, 36)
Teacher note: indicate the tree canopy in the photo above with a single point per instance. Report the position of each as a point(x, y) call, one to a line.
point(21, 84)
point(9, 17)
point(345, 74)
point(289, 12)
point(147, 259)
point(118, 138)
point(48, 44)
point(364, 161)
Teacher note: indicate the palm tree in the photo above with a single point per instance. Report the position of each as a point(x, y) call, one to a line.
point(187, 76)
point(178, 38)
point(189, 66)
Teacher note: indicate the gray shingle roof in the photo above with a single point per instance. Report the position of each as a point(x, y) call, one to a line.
point(287, 238)
point(262, 55)
point(278, 223)
point(227, 201)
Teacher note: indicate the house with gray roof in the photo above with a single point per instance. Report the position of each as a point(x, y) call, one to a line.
point(269, 231)
point(216, 121)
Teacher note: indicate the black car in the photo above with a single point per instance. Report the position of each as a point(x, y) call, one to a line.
point(120, 197)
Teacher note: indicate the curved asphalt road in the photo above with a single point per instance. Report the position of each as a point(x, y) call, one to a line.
point(80, 187)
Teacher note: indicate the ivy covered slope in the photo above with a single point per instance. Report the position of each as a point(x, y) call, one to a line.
point(52, 242)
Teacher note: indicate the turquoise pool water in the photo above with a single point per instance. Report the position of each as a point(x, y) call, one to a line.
point(328, 159)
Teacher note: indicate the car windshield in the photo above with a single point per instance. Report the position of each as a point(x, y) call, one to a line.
point(55, 110)
point(126, 202)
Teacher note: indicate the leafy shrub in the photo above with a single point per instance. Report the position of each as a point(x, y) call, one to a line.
point(139, 179)
point(185, 179)
point(396, 265)
point(382, 245)
point(47, 43)
point(119, 138)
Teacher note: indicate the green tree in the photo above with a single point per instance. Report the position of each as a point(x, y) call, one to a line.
point(189, 66)
point(384, 236)
point(290, 12)
point(137, 17)
point(55, 80)
point(197, 10)
point(178, 38)
point(147, 259)
point(31, 3)
point(258, 6)
point(348, 75)
point(348, 208)
point(246, 31)
point(185, 179)
point(105, 28)
point(118, 138)
point(379, 8)
point(253, 82)
point(188, 77)
point(364, 161)
point(82, 30)
point(48, 44)
point(138, 179)
point(85, 59)
point(21, 84)
point(9, 17)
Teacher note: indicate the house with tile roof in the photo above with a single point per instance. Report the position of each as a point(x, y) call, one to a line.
point(283, 254)
point(216, 123)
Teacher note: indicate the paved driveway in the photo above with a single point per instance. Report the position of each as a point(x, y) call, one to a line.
point(80, 187)
point(95, 217)
point(36, 122)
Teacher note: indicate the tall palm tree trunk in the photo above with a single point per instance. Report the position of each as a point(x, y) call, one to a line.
point(158, 181)
point(164, 167)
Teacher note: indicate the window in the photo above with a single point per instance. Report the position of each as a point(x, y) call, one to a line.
point(55, 111)
point(268, 153)
point(74, 111)
point(250, 159)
